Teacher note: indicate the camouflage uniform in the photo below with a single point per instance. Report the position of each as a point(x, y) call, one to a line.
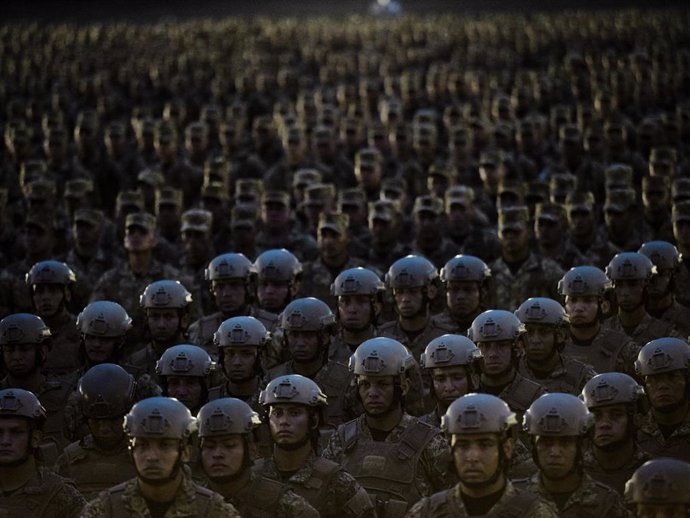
point(615, 479)
point(519, 394)
point(599, 253)
point(480, 242)
point(382, 259)
point(591, 498)
point(331, 490)
point(569, 376)
point(440, 255)
point(317, 279)
point(433, 329)
point(677, 316)
point(63, 356)
point(513, 502)
point(303, 246)
point(89, 271)
point(94, 469)
point(681, 281)
point(608, 351)
point(648, 329)
point(651, 439)
point(126, 500)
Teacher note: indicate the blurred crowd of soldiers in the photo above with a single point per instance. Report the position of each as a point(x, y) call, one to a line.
point(414, 267)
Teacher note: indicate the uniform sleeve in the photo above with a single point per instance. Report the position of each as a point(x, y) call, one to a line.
point(345, 497)
point(291, 505)
point(334, 449)
point(436, 460)
point(627, 357)
point(68, 502)
point(219, 508)
point(96, 508)
point(419, 510)
point(544, 509)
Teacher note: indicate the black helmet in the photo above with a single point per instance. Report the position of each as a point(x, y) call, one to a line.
point(106, 391)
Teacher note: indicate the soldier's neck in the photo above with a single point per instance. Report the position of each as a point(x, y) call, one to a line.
point(161, 347)
point(386, 422)
point(140, 262)
point(616, 458)
point(583, 242)
point(656, 306)
point(57, 319)
point(14, 477)
point(291, 460)
point(567, 484)
point(550, 251)
point(415, 323)
point(164, 493)
point(545, 366)
point(231, 488)
point(356, 337)
point(674, 417)
point(308, 369)
point(516, 257)
point(484, 490)
point(632, 318)
point(32, 382)
point(585, 334)
point(498, 380)
point(243, 388)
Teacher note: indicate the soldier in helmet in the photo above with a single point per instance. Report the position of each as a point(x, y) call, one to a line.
point(546, 330)
point(659, 488)
point(278, 274)
point(586, 291)
point(558, 424)
point(51, 284)
point(296, 407)
point(371, 446)
point(226, 434)
point(614, 399)
point(28, 490)
point(499, 335)
point(159, 430)
point(466, 279)
point(479, 428)
point(305, 330)
point(101, 459)
point(661, 302)
point(681, 233)
point(663, 366)
point(184, 371)
point(630, 273)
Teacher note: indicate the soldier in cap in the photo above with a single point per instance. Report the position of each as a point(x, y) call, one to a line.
point(491, 171)
point(159, 431)
point(681, 232)
point(128, 202)
point(663, 161)
point(561, 183)
point(479, 430)
point(582, 230)
point(550, 231)
point(620, 220)
point(558, 424)
point(226, 442)
point(78, 194)
point(656, 199)
point(296, 406)
point(664, 431)
point(148, 182)
point(369, 172)
point(319, 198)
point(511, 193)
point(168, 211)
point(198, 251)
point(215, 199)
point(101, 459)
point(353, 202)
point(615, 399)
point(385, 224)
point(27, 488)
point(429, 240)
point(520, 273)
point(659, 488)
point(394, 481)
point(178, 173)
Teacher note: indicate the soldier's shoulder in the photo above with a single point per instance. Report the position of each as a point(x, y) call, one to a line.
point(65, 496)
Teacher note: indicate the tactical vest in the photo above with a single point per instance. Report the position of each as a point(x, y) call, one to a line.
point(29, 501)
point(262, 498)
point(386, 469)
point(445, 505)
point(603, 503)
point(333, 379)
point(520, 394)
point(118, 509)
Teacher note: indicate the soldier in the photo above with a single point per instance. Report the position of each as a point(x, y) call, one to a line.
point(558, 424)
point(468, 291)
point(661, 302)
point(278, 274)
point(499, 335)
point(546, 331)
point(656, 198)
point(159, 431)
point(353, 202)
point(396, 457)
point(614, 399)
point(630, 273)
point(479, 432)
point(198, 250)
point(681, 233)
point(101, 459)
point(183, 371)
point(659, 488)
point(28, 490)
point(429, 240)
point(168, 211)
point(296, 406)
point(550, 231)
point(664, 431)
point(586, 302)
point(226, 429)
point(306, 329)
point(51, 285)
point(520, 273)
point(385, 224)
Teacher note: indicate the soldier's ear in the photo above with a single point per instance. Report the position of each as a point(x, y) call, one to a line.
point(35, 439)
point(405, 385)
point(185, 453)
point(508, 447)
point(432, 291)
point(295, 287)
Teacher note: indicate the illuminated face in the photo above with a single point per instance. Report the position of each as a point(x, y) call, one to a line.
point(450, 383)
point(222, 456)
point(409, 301)
point(290, 424)
point(355, 311)
point(497, 357)
point(582, 310)
point(610, 425)
point(557, 455)
point(156, 460)
point(239, 362)
point(15, 440)
point(163, 323)
point(477, 457)
point(377, 394)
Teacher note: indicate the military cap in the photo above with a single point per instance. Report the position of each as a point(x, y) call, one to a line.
point(383, 210)
point(580, 201)
point(619, 200)
point(681, 211)
point(304, 177)
point(199, 220)
point(663, 155)
point(655, 184)
point(490, 157)
point(151, 178)
point(40, 190)
point(91, 216)
point(561, 184)
point(169, 196)
point(618, 176)
point(513, 186)
point(550, 211)
point(503, 129)
point(427, 203)
point(537, 190)
point(368, 155)
point(78, 188)
point(130, 199)
point(444, 170)
point(248, 189)
point(459, 195)
point(319, 194)
point(275, 196)
point(243, 216)
point(141, 219)
point(42, 221)
point(336, 221)
point(680, 190)
point(352, 197)
point(513, 218)
point(392, 188)
point(214, 191)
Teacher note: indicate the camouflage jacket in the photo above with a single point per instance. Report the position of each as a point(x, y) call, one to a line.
point(519, 394)
point(514, 503)
point(591, 498)
point(317, 279)
point(440, 255)
point(681, 281)
point(648, 329)
point(445, 320)
point(63, 356)
point(569, 376)
point(677, 316)
point(331, 490)
point(481, 242)
point(382, 258)
point(599, 253)
point(609, 351)
point(191, 501)
point(536, 277)
point(302, 245)
point(614, 478)
point(89, 271)
point(433, 329)
point(651, 439)
point(568, 256)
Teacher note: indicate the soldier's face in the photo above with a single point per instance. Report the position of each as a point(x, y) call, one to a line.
point(229, 295)
point(239, 363)
point(156, 460)
point(138, 239)
point(100, 349)
point(581, 222)
point(377, 394)
point(497, 357)
point(477, 457)
point(681, 232)
point(106, 432)
point(548, 232)
point(20, 359)
point(187, 389)
point(274, 214)
point(48, 299)
point(355, 312)
point(666, 390)
point(659, 284)
point(463, 298)
point(557, 456)
point(222, 456)
point(409, 301)
point(610, 425)
point(629, 293)
point(582, 310)
point(14, 440)
point(332, 245)
point(290, 424)
point(450, 383)
point(305, 346)
point(459, 216)
point(661, 510)
point(196, 245)
point(273, 295)
point(514, 240)
point(163, 323)
point(86, 234)
point(540, 343)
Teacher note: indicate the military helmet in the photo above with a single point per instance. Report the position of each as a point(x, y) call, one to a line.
point(292, 389)
point(160, 418)
point(184, 360)
point(412, 271)
point(307, 314)
point(659, 481)
point(106, 391)
point(165, 294)
point(583, 281)
point(478, 413)
point(495, 325)
point(241, 332)
point(630, 266)
point(16, 402)
point(104, 318)
point(357, 281)
point(663, 254)
point(381, 356)
point(542, 310)
point(229, 266)
point(663, 355)
point(23, 328)
point(557, 414)
point(448, 350)
point(465, 268)
point(226, 416)
point(50, 272)
point(611, 388)
point(277, 265)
